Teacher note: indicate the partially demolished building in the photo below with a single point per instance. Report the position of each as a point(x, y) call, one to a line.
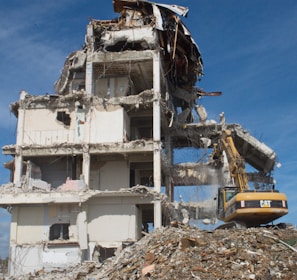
point(90, 160)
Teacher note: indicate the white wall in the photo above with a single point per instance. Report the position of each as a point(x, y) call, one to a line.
point(30, 258)
point(114, 175)
point(57, 257)
point(108, 126)
point(41, 127)
point(33, 222)
point(112, 222)
point(110, 176)
point(25, 259)
point(30, 224)
point(28, 251)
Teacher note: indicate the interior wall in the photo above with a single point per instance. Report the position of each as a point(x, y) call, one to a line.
point(143, 173)
point(142, 127)
point(114, 175)
point(116, 222)
point(55, 170)
point(107, 126)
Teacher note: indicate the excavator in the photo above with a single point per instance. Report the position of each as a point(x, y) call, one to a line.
point(237, 203)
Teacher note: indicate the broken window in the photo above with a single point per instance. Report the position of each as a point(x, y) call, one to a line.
point(102, 253)
point(63, 117)
point(59, 232)
point(105, 253)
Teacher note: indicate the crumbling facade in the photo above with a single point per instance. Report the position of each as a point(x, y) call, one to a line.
point(90, 160)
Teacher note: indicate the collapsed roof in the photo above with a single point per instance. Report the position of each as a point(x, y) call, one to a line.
point(141, 26)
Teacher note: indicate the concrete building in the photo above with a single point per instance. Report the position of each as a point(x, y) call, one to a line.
point(90, 160)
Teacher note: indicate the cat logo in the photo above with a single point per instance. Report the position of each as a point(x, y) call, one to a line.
point(265, 203)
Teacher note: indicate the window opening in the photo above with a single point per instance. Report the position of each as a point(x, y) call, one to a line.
point(59, 232)
point(63, 117)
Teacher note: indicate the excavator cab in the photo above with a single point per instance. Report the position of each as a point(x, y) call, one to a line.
point(225, 194)
point(250, 208)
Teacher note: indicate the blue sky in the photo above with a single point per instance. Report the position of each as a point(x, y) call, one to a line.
point(249, 49)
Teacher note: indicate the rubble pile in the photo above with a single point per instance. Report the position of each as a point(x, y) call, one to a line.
point(185, 253)
point(191, 253)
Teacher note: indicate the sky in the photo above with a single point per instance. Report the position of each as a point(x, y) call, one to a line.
point(249, 50)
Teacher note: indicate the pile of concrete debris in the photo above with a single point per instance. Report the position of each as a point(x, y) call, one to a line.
point(190, 253)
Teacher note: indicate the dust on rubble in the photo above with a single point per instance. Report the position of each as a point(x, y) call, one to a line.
point(190, 253)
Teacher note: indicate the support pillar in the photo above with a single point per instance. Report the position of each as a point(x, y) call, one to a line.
point(86, 165)
point(157, 214)
point(18, 159)
point(169, 155)
point(157, 122)
point(89, 78)
point(157, 138)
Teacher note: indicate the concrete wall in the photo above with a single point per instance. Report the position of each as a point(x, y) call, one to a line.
point(25, 259)
point(59, 257)
point(104, 221)
point(41, 127)
point(55, 170)
point(110, 125)
point(30, 258)
point(30, 224)
point(110, 176)
point(116, 222)
point(30, 234)
point(114, 175)
point(33, 222)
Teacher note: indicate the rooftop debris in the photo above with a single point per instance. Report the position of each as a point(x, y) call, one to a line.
point(189, 253)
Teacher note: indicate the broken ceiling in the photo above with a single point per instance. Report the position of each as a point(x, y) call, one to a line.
point(141, 26)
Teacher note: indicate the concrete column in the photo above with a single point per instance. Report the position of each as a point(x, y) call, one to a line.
point(13, 241)
point(89, 39)
point(13, 224)
point(86, 165)
point(157, 122)
point(157, 214)
point(89, 78)
point(82, 230)
point(18, 165)
point(18, 159)
point(87, 125)
point(169, 155)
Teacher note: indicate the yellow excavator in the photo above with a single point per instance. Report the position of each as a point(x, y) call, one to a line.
point(239, 204)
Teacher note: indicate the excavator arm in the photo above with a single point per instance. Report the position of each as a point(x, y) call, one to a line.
point(236, 162)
